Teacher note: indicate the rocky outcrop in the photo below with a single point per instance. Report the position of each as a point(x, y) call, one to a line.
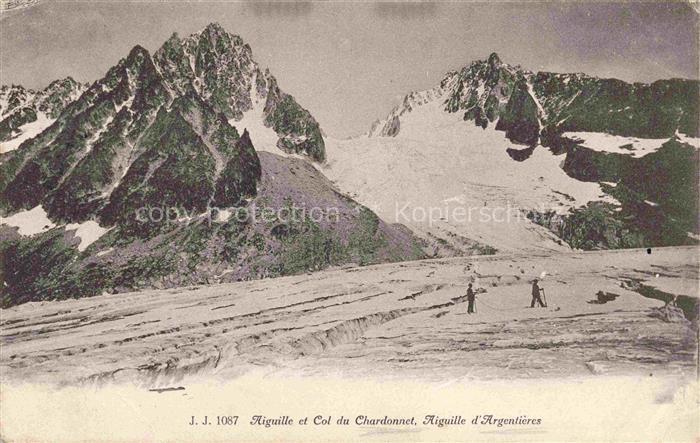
point(240, 176)
point(577, 102)
point(520, 119)
point(658, 192)
point(299, 132)
point(657, 196)
point(592, 227)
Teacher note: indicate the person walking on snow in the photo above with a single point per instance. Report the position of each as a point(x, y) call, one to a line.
point(536, 294)
point(470, 298)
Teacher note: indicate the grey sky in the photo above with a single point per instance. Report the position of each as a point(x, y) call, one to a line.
point(350, 62)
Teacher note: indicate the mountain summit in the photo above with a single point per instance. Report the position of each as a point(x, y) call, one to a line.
point(219, 67)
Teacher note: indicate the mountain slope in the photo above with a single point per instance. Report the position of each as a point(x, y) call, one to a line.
point(220, 68)
point(455, 183)
point(567, 152)
point(141, 180)
point(528, 105)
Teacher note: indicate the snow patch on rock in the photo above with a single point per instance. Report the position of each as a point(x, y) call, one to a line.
point(105, 252)
point(263, 138)
point(634, 146)
point(88, 232)
point(30, 222)
point(693, 141)
point(223, 215)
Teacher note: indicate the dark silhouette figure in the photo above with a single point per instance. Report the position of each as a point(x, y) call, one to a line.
point(536, 295)
point(470, 298)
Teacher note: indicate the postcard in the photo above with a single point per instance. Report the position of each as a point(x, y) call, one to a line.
point(349, 221)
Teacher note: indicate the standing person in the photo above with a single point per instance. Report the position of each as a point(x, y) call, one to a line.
point(536, 294)
point(470, 298)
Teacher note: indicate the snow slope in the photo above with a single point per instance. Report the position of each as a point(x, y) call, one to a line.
point(439, 161)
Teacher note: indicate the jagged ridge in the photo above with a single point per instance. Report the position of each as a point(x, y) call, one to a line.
point(74, 165)
point(20, 107)
point(532, 106)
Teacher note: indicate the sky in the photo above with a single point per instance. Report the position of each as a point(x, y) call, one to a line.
point(349, 63)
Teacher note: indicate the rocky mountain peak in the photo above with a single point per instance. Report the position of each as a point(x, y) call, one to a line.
point(219, 67)
point(193, 91)
point(214, 30)
point(529, 106)
point(12, 97)
point(138, 52)
point(17, 96)
point(481, 89)
point(161, 131)
point(216, 64)
point(494, 60)
point(64, 83)
point(215, 38)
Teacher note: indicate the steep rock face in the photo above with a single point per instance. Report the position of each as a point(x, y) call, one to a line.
point(238, 178)
point(577, 102)
point(520, 119)
point(216, 65)
point(657, 191)
point(657, 195)
point(72, 165)
point(481, 90)
point(176, 167)
point(299, 133)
